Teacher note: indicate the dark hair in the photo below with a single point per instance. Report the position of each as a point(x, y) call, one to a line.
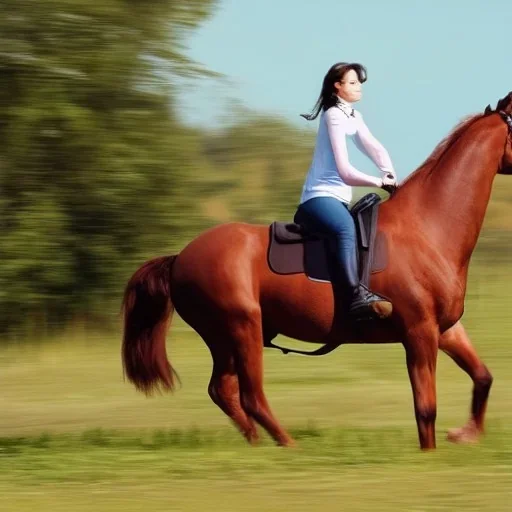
point(328, 97)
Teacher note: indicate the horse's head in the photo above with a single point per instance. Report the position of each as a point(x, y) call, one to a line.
point(504, 110)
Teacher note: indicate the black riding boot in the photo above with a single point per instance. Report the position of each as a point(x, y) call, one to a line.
point(362, 303)
point(367, 305)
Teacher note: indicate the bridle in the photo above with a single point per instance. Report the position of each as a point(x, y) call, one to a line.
point(508, 119)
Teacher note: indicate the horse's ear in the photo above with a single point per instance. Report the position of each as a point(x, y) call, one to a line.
point(509, 96)
point(488, 110)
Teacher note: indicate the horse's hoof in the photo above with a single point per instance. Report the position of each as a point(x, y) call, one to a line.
point(287, 443)
point(468, 434)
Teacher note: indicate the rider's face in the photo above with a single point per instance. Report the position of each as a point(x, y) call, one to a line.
point(349, 88)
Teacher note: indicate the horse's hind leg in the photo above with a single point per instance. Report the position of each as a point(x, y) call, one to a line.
point(456, 343)
point(246, 332)
point(224, 390)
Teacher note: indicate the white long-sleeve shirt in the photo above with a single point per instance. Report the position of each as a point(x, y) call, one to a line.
point(331, 173)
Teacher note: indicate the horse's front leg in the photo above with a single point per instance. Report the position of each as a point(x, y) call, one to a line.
point(421, 346)
point(456, 343)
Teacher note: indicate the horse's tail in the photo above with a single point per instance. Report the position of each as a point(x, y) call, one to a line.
point(147, 309)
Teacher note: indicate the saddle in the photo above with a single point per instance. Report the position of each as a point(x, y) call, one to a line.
point(294, 250)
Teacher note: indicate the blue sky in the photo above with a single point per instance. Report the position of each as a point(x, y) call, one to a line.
point(430, 63)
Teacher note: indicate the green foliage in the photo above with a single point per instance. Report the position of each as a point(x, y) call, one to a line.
point(93, 165)
point(258, 167)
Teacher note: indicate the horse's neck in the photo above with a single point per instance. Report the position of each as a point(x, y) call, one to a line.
point(450, 201)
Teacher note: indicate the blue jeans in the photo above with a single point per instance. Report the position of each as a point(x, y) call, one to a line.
point(330, 216)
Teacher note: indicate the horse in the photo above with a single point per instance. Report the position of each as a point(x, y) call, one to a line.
point(221, 285)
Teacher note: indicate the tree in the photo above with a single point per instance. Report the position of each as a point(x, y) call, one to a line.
point(92, 160)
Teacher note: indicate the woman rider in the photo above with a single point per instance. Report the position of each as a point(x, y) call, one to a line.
point(327, 190)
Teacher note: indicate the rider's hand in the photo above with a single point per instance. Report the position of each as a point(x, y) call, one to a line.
point(389, 183)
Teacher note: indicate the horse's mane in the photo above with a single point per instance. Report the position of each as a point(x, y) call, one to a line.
point(429, 164)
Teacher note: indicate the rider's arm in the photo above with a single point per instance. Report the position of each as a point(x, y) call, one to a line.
point(372, 147)
point(336, 127)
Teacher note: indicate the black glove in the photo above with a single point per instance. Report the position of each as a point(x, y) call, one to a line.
point(389, 183)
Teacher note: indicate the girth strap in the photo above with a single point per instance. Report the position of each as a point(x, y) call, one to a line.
point(325, 349)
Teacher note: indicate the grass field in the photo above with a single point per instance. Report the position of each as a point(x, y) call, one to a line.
point(74, 436)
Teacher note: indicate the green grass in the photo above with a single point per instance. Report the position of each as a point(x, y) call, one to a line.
point(194, 468)
point(190, 469)
point(74, 436)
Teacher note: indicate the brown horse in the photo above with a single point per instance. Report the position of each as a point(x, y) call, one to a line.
point(222, 286)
